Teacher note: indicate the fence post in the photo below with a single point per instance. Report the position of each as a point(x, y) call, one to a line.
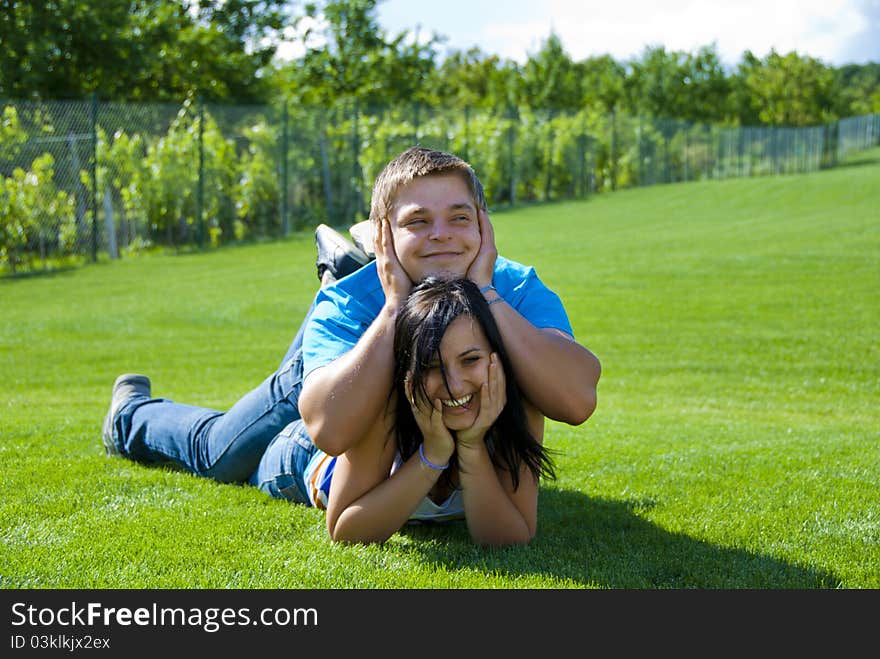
point(356, 156)
point(548, 180)
point(511, 154)
point(830, 145)
point(94, 173)
point(686, 153)
point(325, 170)
point(417, 106)
point(200, 192)
point(285, 226)
point(613, 149)
point(467, 131)
point(582, 160)
point(640, 164)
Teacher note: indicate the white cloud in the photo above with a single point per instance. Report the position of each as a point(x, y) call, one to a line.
point(818, 28)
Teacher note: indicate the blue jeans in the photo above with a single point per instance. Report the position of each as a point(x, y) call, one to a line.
point(260, 440)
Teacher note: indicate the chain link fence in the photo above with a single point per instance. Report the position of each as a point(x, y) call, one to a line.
point(82, 180)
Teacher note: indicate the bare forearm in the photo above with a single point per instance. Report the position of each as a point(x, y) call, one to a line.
point(381, 512)
point(558, 375)
point(340, 399)
point(492, 516)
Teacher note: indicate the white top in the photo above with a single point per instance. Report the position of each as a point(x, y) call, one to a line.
point(428, 511)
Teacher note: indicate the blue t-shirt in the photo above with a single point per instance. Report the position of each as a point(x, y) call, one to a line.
point(345, 310)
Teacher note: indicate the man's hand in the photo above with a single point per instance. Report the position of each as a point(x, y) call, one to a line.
point(493, 398)
point(481, 270)
point(395, 282)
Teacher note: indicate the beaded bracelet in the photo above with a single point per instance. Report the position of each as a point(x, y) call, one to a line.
point(427, 462)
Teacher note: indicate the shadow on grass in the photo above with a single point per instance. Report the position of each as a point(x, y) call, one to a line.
point(605, 544)
point(38, 273)
point(860, 160)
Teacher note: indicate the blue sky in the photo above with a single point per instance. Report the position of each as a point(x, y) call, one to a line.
point(835, 31)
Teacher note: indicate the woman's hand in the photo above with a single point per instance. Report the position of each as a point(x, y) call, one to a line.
point(439, 443)
point(493, 398)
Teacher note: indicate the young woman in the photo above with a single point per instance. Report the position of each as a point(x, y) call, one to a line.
point(457, 440)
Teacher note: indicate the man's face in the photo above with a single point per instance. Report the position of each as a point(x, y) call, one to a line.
point(435, 227)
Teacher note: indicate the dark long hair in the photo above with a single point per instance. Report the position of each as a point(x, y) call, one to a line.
point(431, 307)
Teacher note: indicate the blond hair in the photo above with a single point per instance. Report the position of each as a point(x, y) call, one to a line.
point(415, 162)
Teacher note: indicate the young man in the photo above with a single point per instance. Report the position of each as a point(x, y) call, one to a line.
point(429, 215)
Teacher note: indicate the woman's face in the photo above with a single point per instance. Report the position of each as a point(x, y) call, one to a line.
point(465, 352)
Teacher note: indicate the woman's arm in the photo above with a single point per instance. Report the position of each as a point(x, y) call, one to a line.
point(496, 513)
point(365, 503)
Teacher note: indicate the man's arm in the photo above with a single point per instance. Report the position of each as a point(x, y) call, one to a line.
point(557, 374)
point(342, 398)
point(339, 400)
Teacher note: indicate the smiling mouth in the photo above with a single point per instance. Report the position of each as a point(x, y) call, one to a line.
point(442, 254)
point(458, 402)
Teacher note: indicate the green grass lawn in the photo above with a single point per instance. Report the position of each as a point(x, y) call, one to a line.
point(736, 443)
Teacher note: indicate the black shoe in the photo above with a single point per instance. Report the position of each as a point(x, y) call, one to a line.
point(126, 386)
point(336, 254)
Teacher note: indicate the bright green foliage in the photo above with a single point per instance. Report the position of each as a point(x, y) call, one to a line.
point(474, 79)
point(142, 50)
point(354, 59)
point(549, 78)
point(734, 445)
point(258, 182)
point(860, 89)
point(12, 136)
point(788, 90)
point(603, 82)
point(679, 85)
point(34, 215)
point(166, 50)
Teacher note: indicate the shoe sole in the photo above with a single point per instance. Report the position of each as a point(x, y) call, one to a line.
point(107, 426)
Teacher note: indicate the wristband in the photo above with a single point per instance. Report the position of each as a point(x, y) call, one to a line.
point(427, 462)
point(497, 299)
point(487, 288)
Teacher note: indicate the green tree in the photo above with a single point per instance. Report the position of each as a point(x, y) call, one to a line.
point(550, 80)
point(476, 79)
point(656, 83)
point(138, 49)
point(602, 82)
point(859, 85)
point(707, 88)
point(786, 90)
point(348, 56)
